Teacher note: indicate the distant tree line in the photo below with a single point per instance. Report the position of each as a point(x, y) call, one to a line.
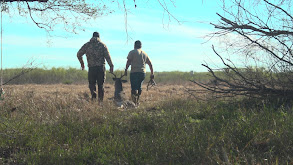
point(77, 76)
point(45, 76)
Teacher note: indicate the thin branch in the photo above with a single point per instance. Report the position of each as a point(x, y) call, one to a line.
point(234, 26)
point(38, 24)
point(167, 10)
point(266, 49)
point(25, 0)
point(125, 19)
point(278, 7)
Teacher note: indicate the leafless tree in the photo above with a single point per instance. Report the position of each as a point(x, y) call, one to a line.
point(49, 14)
point(71, 15)
point(260, 32)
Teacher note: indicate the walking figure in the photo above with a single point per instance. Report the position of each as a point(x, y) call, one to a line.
point(96, 52)
point(138, 59)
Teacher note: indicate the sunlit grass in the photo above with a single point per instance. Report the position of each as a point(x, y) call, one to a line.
point(58, 124)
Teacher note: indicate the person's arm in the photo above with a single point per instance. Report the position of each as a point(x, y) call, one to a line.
point(151, 68)
point(128, 63)
point(108, 59)
point(148, 61)
point(80, 53)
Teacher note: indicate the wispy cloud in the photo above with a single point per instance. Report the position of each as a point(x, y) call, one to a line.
point(172, 47)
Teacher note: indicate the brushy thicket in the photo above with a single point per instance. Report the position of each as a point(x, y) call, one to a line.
point(70, 130)
point(46, 76)
point(77, 76)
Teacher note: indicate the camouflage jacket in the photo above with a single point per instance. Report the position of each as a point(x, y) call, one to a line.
point(96, 53)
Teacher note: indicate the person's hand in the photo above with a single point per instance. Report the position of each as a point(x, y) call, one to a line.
point(125, 72)
point(82, 66)
point(152, 76)
point(111, 69)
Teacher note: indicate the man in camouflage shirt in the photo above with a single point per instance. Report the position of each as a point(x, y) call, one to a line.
point(96, 53)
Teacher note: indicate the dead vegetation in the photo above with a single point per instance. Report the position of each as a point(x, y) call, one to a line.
point(159, 92)
point(80, 95)
point(49, 124)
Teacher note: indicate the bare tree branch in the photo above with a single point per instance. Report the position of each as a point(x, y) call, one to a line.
point(261, 32)
point(234, 25)
point(52, 14)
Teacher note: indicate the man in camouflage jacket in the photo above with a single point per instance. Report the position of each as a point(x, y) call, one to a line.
point(96, 53)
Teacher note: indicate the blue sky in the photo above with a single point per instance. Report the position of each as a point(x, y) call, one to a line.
point(170, 45)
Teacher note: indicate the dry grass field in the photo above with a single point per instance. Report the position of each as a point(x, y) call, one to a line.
point(59, 124)
point(81, 92)
point(47, 103)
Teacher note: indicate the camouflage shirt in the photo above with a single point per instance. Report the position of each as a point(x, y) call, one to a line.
point(96, 53)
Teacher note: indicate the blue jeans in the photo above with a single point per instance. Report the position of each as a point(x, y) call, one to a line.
point(136, 80)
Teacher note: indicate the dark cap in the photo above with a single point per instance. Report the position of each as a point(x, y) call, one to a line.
point(137, 44)
point(96, 34)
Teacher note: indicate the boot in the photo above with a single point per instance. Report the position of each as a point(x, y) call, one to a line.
point(94, 96)
point(134, 96)
point(101, 95)
point(137, 100)
point(93, 91)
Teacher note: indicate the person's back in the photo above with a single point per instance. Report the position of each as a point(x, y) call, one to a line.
point(139, 59)
point(96, 52)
